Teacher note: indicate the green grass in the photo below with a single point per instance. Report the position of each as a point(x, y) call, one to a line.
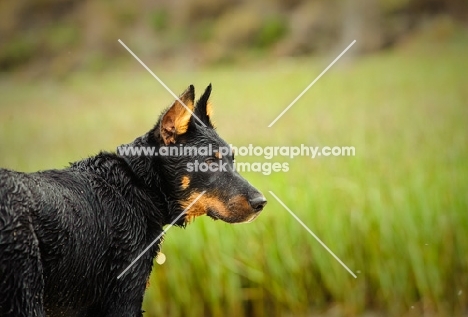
point(396, 213)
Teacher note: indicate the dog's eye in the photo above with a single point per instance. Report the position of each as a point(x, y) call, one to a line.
point(210, 160)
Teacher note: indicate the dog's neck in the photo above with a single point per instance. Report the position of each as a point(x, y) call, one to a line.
point(149, 173)
point(107, 165)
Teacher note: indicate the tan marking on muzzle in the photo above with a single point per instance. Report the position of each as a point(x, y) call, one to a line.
point(201, 206)
point(237, 209)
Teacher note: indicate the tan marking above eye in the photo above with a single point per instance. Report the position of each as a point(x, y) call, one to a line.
point(217, 155)
point(185, 182)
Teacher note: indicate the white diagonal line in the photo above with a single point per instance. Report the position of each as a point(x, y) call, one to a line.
point(161, 234)
point(313, 234)
point(311, 84)
point(160, 81)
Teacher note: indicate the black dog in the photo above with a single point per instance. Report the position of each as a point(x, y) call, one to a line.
point(66, 235)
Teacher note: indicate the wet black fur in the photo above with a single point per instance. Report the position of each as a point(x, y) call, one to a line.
point(65, 235)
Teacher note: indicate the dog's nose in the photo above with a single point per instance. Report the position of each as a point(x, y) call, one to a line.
point(258, 203)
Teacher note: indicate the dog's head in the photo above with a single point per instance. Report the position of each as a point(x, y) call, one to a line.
point(196, 167)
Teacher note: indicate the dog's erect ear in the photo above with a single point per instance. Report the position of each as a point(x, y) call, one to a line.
point(177, 118)
point(203, 109)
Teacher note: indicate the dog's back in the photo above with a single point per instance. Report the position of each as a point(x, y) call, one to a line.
point(63, 224)
point(19, 248)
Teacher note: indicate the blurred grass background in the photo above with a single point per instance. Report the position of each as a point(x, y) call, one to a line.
point(396, 213)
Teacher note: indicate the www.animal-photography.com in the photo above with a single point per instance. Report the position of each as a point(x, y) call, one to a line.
point(233, 158)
